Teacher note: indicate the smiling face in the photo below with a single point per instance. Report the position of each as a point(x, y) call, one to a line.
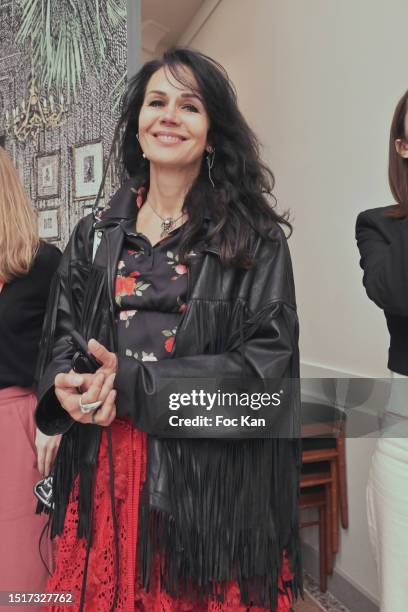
point(173, 122)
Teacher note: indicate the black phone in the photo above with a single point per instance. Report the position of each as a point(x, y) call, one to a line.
point(83, 362)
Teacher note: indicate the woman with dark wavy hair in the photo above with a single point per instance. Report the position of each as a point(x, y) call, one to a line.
point(183, 284)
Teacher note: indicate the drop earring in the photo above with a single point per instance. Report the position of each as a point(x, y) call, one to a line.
point(138, 140)
point(210, 157)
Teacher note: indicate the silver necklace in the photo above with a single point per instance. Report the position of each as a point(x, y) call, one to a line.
point(167, 223)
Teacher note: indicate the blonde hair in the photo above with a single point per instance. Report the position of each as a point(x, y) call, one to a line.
point(18, 223)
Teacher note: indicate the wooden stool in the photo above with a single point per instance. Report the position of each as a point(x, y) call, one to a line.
point(323, 440)
point(316, 497)
point(319, 475)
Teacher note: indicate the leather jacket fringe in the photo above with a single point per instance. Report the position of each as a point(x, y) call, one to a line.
point(216, 507)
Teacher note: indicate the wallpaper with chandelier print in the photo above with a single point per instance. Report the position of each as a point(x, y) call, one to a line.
point(62, 168)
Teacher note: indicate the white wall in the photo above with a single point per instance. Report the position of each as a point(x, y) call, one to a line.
point(318, 81)
point(134, 37)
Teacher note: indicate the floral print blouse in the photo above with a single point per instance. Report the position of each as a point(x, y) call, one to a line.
point(150, 294)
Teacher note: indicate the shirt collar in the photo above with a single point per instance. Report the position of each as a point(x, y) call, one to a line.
point(122, 207)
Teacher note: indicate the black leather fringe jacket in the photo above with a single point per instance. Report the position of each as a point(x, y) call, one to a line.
point(216, 506)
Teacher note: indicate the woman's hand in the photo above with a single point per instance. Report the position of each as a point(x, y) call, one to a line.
point(47, 447)
point(108, 360)
point(99, 387)
point(95, 387)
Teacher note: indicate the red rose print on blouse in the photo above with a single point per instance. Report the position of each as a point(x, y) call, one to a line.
point(179, 268)
point(168, 345)
point(126, 284)
point(149, 301)
point(170, 335)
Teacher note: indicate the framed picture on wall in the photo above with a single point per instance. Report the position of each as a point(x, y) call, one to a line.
point(48, 175)
point(86, 210)
point(49, 224)
point(87, 169)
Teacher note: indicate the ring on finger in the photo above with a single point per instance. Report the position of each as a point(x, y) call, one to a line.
point(86, 408)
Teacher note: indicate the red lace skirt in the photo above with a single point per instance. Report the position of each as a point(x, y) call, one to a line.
point(129, 458)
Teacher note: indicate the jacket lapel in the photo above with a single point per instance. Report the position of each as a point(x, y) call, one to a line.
point(107, 257)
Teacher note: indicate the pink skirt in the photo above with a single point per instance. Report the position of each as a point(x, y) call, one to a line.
point(21, 568)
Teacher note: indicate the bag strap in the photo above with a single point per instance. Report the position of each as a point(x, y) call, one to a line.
point(96, 242)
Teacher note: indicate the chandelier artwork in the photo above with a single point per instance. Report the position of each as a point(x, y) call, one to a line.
point(34, 115)
point(65, 37)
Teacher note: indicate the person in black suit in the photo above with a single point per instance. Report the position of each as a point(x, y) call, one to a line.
point(382, 238)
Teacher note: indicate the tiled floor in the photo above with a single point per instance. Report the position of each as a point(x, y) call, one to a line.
point(315, 601)
point(308, 605)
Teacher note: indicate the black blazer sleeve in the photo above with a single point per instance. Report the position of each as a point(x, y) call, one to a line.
point(383, 246)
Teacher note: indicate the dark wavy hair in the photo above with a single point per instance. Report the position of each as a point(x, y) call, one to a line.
point(397, 165)
point(242, 199)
